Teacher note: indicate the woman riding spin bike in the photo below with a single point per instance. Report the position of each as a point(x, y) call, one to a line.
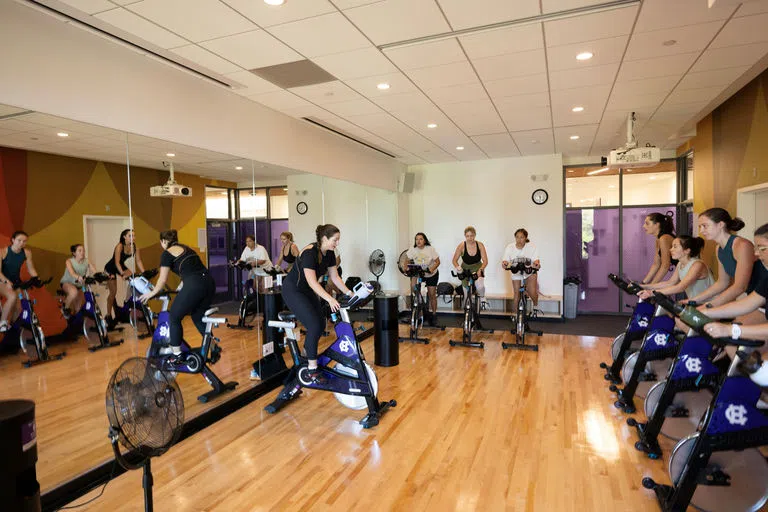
point(422, 253)
point(523, 248)
point(257, 256)
point(196, 294)
point(289, 251)
point(12, 258)
point(125, 249)
point(76, 268)
point(302, 288)
point(735, 257)
point(660, 226)
point(691, 275)
point(473, 258)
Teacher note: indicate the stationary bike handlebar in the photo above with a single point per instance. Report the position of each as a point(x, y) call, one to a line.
point(413, 270)
point(521, 268)
point(631, 288)
point(465, 274)
point(34, 282)
point(362, 293)
point(97, 278)
point(696, 320)
point(147, 274)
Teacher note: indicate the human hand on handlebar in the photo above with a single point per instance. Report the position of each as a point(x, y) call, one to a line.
point(718, 330)
point(645, 294)
point(333, 303)
point(145, 297)
point(505, 265)
point(126, 272)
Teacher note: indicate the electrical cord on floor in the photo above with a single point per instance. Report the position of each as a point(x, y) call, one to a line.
point(104, 487)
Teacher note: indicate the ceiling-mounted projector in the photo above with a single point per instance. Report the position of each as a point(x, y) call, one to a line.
point(171, 188)
point(630, 156)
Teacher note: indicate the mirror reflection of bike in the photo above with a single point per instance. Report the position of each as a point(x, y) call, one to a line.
point(89, 318)
point(524, 267)
point(471, 321)
point(419, 307)
point(27, 326)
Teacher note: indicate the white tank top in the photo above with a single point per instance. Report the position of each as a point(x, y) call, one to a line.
point(700, 285)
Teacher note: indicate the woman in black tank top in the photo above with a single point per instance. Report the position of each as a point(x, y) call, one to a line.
point(660, 226)
point(12, 258)
point(473, 257)
point(115, 267)
point(289, 251)
point(198, 288)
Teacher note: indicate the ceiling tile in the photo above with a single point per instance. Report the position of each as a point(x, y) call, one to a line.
point(457, 94)
point(645, 45)
point(752, 7)
point(661, 14)
point(741, 31)
point(206, 59)
point(267, 15)
point(511, 65)
point(583, 28)
point(518, 119)
point(354, 108)
point(730, 57)
point(498, 145)
point(17, 125)
point(90, 6)
point(444, 75)
point(523, 101)
point(251, 50)
point(630, 102)
point(721, 77)
point(321, 35)
point(414, 100)
point(519, 85)
point(398, 20)
point(584, 77)
point(605, 51)
point(566, 146)
point(475, 117)
point(327, 93)
point(592, 99)
point(398, 84)
point(534, 142)
point(349, 4)
point(356, 64)
point(138, 26)
point(502, 41)
point(550, 6)
point(426, 54)
point(6, 110)
point(251, 84)
point(44, 119)
point(197, 21)
point(279, 100)
point(663, 84)
point(304, 110)
point(703, 94)
point(656, 67)
point(462, 14)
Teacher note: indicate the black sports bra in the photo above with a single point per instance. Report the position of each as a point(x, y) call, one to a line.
point(471, 259)
point(289, 258)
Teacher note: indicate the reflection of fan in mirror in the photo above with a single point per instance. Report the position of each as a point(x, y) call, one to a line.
point(146, 412)
point(403, 262)
point(376, 264)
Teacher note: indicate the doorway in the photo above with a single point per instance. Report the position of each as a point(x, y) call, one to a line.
point(100, 235)
point(220, 253)
point(752, 207)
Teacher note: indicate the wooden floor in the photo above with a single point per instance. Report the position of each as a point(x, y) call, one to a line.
point(69, 395)
point(473, 430)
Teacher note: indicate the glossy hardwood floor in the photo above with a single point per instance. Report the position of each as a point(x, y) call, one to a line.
point(473, 430)
point(69, 394)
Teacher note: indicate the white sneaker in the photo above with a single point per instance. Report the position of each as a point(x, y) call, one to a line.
point(3, 326)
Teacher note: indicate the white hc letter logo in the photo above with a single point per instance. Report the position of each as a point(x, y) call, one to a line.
point(643, 322)
point(736, 414)
point(165, 331)
point(660, 339)
point(693, 364)
point(345, 345)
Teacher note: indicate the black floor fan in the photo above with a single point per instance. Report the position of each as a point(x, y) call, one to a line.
point(146, 413)
point(376, 264)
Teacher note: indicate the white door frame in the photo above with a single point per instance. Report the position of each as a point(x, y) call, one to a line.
point(86, 218)
point(745, 207)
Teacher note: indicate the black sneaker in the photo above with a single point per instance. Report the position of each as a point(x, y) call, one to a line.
point(432, 319)
point(316, 376)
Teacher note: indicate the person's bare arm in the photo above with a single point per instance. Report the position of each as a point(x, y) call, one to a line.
point(30, 264)
point(333, 276)
point(654, 266)
point(137, 259)
point(665, 243)
point(736, 308)
point(456, 256)
point(483, 257)
point(744, 253)
point(717, 287)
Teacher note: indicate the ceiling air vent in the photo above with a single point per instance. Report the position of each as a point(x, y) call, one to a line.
point(294, 74)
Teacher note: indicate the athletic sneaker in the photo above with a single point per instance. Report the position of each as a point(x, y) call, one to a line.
point(65, 313)
point(3, 326)
point(254, 375)
point(316, 375)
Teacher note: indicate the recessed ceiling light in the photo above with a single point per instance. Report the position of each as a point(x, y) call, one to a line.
point(239, 168)
point(611, 186)
point(383, 86)
point(584, 56)
point(577, 109)
point(669, 42)
point(534, 141)
point(62, 134)
point(431, 125)
point(274, 2)
point(571, 170)
point(170, 154)
point(575, 137)
point(459, 148)
point(652, 177)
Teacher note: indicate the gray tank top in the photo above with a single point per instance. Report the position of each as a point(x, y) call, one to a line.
point(700, 285)
point(80, 268)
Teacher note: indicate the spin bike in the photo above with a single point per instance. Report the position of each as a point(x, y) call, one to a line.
point(418, 304)
point(28, 325)
point(720, 466)
point(346, 374)
point(522, 266)
point(193, 360)
point(630, 340)
point(89, 317)
point(471, 314)
point(674, 406)
point(132, 311)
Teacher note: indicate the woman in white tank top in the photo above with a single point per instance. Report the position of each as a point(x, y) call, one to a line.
point(691, 275)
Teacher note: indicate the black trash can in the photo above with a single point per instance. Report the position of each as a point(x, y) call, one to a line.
point(273, 304)
point(386, 347)
point(272, 361)
point(19, 489)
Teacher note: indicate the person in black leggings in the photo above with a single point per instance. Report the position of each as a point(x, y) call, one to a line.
point(197, 292)
point(301, 289)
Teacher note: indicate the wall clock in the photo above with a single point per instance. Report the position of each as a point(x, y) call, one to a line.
point(539, 196)
point(302, 208)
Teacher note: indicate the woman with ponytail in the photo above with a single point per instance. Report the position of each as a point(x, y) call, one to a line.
point(302, 289)
point(691, 275)
point(735, 255)
point(662, 227)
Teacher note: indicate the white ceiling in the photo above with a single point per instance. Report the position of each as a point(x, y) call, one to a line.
point(500, 93)
point(35, 131)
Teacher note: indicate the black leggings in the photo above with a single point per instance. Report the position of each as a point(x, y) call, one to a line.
point(194, 299)
point(306, 307)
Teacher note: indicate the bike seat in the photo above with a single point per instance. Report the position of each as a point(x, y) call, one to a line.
point(210, 312)
point(215, 320)
point(286, 316)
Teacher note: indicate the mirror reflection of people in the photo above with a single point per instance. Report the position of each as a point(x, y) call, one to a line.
point(691, 275)
point(470, 255)
point(523, 248)
point(125, 249)
point(662, 227)
point(422, 253)
point(256, 255)
point(289, 251)
point(75, 270)
point(13, 257)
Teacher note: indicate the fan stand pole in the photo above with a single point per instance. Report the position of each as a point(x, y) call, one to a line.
point(147, 482)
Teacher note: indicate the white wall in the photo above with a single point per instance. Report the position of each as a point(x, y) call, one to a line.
point(494, 196)
point(58, 68)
